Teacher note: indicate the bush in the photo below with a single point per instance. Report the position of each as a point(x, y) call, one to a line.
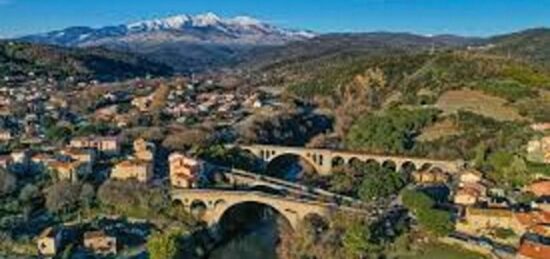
point(436, 222)
point(164, 245)
point(508, 89)
point(63, 197)
point(132, 198)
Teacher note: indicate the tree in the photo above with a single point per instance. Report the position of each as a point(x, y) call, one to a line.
point(394, 131)
point(357, 241)
point(62, 197)
point(27, 196)
point(232, 157)
point(59, 133)
point(164, 245)
point(344, 183)
point(132, 198)
point(509, 170)
point(8, 182)
point(29, 193)
point(416, 201)
point(380, 182)
point(87, 195)
point(436, 222)
point(188, 139)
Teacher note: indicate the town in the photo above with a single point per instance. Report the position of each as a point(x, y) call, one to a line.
point(58, 139)
point(206, 137)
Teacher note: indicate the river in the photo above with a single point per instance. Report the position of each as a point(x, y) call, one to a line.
point(259, 242)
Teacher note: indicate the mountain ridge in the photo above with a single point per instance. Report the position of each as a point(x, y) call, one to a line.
point(237, 30)
point(186, 43)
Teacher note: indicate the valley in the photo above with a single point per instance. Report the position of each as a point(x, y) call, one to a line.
point(199, 136)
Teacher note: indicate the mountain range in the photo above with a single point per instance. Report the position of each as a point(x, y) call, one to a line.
point(188, 43)
point(185, 42)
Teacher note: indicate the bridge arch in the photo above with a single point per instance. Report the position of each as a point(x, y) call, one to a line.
point(304, 162)
point(217, 202)
point(338, 161)
point(354, 161)
point(407, 167)
point(240, 214)
point(390, 164)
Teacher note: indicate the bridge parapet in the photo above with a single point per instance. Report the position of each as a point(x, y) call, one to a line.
point(217, 202)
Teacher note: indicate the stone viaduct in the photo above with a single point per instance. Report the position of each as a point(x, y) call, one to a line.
point(217, 202)
point(323, 160)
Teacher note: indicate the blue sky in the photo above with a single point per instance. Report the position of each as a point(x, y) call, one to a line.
point(465, 17)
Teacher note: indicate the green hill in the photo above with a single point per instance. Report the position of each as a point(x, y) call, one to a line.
point(530, 45)
point(19, 59)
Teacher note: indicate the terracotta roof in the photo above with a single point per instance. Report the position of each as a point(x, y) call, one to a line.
point(132, 163)
point(541, 188)
point(534, 250)
point(491, 212)
point(468, 191)
point(95, 234)
point(533, 218)
point(75, 151)
point(64, 165)
point(542, 230)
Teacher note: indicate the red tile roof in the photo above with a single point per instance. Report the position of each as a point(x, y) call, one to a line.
point(534, 250)
point(541, 188)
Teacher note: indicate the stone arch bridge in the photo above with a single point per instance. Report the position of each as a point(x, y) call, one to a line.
point(217, 202)
point(323, 160)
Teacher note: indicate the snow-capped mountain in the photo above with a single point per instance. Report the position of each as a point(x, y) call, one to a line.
point(185, 42)
point(204, 28)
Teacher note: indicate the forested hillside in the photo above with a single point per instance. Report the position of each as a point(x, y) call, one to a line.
point(17, 59)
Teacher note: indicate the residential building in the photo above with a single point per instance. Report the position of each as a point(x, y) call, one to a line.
point(5, 135)
point(100, 243)
point(144, 150)
point(185, 172)
point(470, 192)
point(470, 176)
point(466, 196)
point(430, 177)
point(108, 145)
point(479, 221)
point(139, 170)
point(20, 157)
point(40, 161)
point(69, 171)
point(84, 156)
point(142, 103)
point(49, 241)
